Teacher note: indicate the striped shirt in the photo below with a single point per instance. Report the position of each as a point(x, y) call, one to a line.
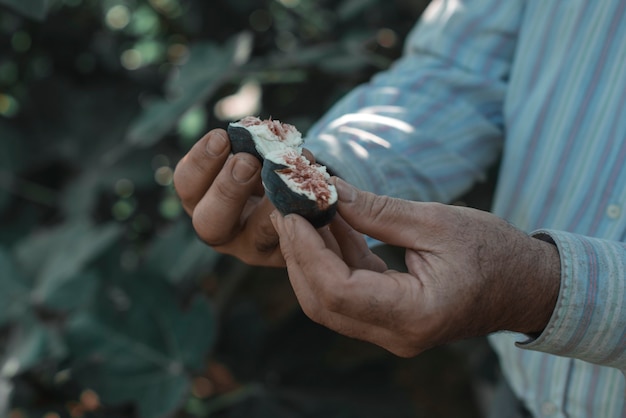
point(540, 84)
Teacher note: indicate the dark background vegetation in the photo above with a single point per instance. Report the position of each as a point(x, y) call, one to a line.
point(109, 305)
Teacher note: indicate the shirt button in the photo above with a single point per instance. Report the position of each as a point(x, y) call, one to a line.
point(613, 211)
point(548, 409)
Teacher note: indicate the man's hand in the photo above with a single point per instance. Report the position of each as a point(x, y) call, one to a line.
point(224, 196)
point(469, 273)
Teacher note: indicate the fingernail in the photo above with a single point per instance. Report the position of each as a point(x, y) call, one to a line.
point(280, 225)
point(346, 192)
point(243, 171)
point(216, 145)
point(274, 219)
point(289, 223)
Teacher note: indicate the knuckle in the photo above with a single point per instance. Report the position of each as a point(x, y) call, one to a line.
point(379, 208)
point(207, 232)
point(445, 220)
point(228, 192)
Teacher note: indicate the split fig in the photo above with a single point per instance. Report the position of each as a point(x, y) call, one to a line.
point(258, 137)
point(294, 185)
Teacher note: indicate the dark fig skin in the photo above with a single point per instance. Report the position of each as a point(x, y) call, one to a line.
point(278, 192)
point(288, 201)
point(241, 141)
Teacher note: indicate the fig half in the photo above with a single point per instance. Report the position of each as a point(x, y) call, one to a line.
point(258, 137)
point(294, 185)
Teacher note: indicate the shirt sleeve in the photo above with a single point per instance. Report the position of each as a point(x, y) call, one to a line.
point(430, 126)
point(589, 321)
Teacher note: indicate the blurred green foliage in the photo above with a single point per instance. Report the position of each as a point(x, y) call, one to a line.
point(109, 305)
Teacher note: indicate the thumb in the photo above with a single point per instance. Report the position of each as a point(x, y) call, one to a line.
point(390, 220)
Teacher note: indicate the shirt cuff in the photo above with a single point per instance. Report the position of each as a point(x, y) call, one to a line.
point(589, 320)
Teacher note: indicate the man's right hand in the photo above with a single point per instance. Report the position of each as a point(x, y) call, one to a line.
point(224, 196)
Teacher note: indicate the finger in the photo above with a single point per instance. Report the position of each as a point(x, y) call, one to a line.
point(396, 341)
point(316, 308)
point(354, 249)
point(329, 240)
point(389, 339)
point(298, 267)
point(303, 247)
point(196, 171)
point(393, 221)
point(368, 296)
point(217, 217)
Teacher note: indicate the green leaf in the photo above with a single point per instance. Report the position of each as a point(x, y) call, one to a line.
point(79, 198)
point(14, 292)
point(192, 336)
point(348, 9)
point(102, 341)
point(121, 369)
point(179, 255)
point(68, 293)
point(209, 66)
point(20, 225)
point(35, 9)
point(30, 344)
point(305, 56)
point(208, 61)
point(160, 117)
point(156, 394)
point(143, 350)
point(31, 252)
point(59, 253)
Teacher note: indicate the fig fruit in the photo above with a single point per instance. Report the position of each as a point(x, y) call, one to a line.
point(291, 182)
point(258, 137)
point(294, 185)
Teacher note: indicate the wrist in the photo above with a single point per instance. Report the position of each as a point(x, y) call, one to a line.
point(541, 282)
